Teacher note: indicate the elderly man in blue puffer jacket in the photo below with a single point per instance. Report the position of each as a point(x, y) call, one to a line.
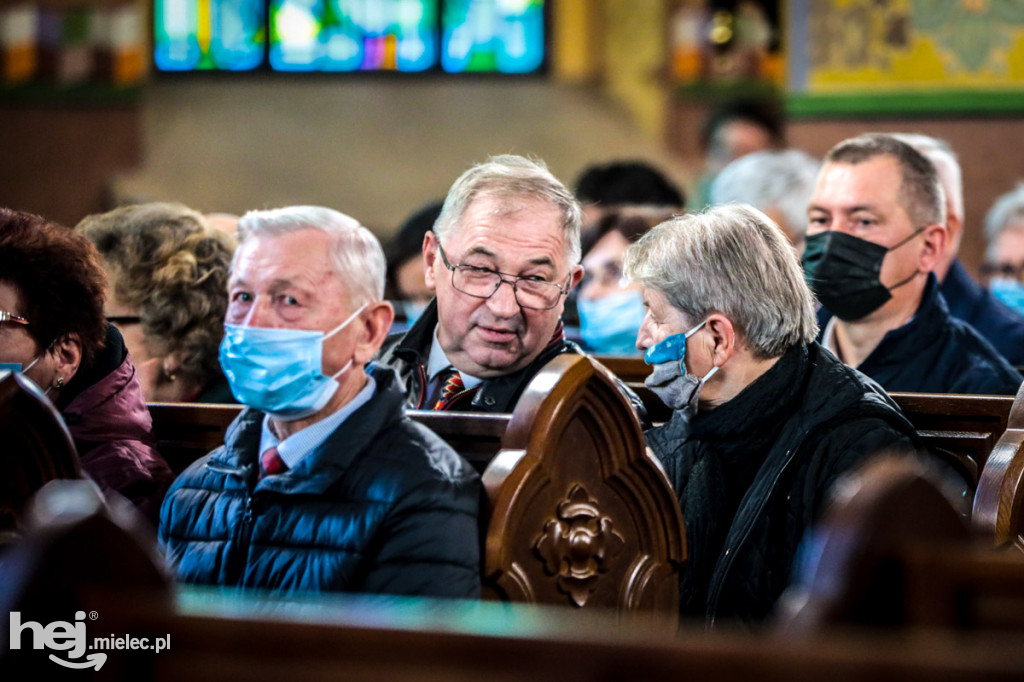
point(323, 483)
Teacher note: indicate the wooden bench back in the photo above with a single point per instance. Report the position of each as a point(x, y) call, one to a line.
point(998, 512)
point(893, 550)
point(34, 442)
point(959, 429)
point(213, 637)
point(577, 512)
point(187, 431)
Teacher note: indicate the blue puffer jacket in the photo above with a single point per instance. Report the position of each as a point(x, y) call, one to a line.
point(382, 506)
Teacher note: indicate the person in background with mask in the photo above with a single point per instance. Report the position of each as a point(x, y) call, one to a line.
point(323, 483)
point(877, 227)
point(967, 300)
point(611, 307)
point(406, 284)
point(764, 420)
point(1004, 257)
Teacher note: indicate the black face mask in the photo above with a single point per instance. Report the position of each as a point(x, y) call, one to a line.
point(843, 272)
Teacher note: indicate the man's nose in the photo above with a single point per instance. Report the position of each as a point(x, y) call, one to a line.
point(503, 302)
point(643, 338)
point(260, 314)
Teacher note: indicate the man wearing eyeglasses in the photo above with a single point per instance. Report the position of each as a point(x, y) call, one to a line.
point(500, 260)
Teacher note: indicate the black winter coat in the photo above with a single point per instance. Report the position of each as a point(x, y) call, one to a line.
point(382, 506)
point(753, 473)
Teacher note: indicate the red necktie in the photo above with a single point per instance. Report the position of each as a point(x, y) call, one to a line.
point(452, 387)
point(271, 463)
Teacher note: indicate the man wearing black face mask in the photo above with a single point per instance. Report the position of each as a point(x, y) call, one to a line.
point(877, 229)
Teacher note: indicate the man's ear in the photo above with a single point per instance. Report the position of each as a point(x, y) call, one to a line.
point(430, 243)
point(954, 231)
point(722, 337)
point(934, 238)
point(67, 356)
point(375, 322)
point(577, 276)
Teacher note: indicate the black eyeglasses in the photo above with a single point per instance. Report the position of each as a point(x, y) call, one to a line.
point(6, 317)
point(532, 293)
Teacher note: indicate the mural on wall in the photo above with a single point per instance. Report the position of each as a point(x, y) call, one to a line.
point(853, 46)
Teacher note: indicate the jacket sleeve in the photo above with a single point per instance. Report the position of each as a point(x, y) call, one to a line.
point(429, 545)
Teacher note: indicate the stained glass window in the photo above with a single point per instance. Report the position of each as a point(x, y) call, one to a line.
point(483, 36)
point(504, 36)
point(204, 35)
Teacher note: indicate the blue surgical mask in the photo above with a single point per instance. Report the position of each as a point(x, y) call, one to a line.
point(670, 381)
point(609, 325)
point(279, 371)
point(1009, 292)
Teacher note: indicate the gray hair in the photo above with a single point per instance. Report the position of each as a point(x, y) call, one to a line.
point(731, 260)
point(921, 194)
point(783, 180)
point(1006, 209)
point(509, 176)
point(357, 255)
point(944, 159)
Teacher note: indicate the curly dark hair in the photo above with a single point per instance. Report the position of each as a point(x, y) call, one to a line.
point(59, 279)
point(165, 262)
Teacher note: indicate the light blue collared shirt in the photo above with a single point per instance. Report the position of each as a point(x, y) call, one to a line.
point(296, 446)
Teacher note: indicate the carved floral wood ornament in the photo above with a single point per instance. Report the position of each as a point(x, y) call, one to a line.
point(579, 545)
point(580, 514)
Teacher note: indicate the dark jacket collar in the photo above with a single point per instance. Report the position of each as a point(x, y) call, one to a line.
point(109, 358)
point(901, 345)
point(959, 287)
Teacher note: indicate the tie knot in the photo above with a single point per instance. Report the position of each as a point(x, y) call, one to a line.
point(271, 463)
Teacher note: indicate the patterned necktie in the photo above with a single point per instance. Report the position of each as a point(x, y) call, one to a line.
point(271, 463)
point(451, 387)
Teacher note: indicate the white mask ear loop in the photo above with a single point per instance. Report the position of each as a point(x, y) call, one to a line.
point(338, 329)
point(347, 321)
point(31, 364)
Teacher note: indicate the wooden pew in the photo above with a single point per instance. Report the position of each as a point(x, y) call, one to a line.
point(187, 431)
point(959, 429)
point(577, 512)
point(892, 550)
point(998, 511)
point(212, 636)
point(35, 443)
